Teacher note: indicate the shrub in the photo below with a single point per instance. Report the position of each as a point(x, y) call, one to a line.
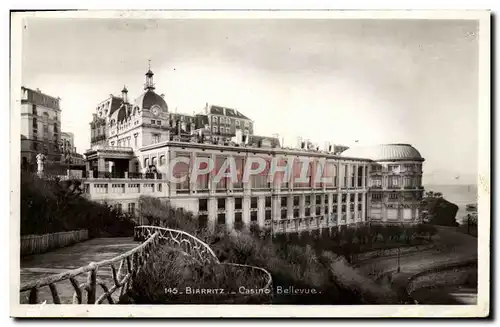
point(50, 206)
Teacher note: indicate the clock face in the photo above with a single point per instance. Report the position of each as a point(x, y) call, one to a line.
point(155, 110)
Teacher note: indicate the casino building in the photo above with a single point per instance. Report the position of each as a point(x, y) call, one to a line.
point(132, 143)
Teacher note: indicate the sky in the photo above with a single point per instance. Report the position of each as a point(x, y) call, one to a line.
point(375, 81)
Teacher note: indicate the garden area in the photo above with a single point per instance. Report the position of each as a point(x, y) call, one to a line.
point(52, 206)
point(295, 262)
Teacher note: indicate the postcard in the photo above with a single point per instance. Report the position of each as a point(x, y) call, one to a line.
point(250, 164)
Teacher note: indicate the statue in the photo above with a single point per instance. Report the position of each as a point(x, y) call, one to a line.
point(40, 159)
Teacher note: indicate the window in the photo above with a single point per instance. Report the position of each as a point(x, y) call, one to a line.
point(153, 122)
point(146, 162)
point(307, 200)
point(393, 196)
point(113, 143)
point(238, 219)
point(158, 122)
point(156, 138)
point(308, 212)
point(253, 203)
point(33, 108)
point(153, 161)
point(214, 119)
point(237, 123)
point(295, 200)
point(203, 205)
point(376, 196)
point(131, 208)
point(253, 216)
point(214, 129)
point(268, 202)
point(221, 218)
point(221, 204)
point(351, 198)
point(118, 207)
point(268, 214)
point(227, 130)
point(318, 211)
point(135, 139)
point(284, 213)
point(284, 201)
point(202, 221)
point(162, 160)
point(238, 203)
point(296, 213)
point(159, 187)
point(318, 199)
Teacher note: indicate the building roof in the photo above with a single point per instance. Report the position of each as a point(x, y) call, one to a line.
point(149, 99)
point(384, 152)
point(42, 99)
point(259, 141)
point(116, 102)
point(217, 110)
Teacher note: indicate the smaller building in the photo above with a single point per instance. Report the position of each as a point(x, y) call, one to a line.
point(40, 126)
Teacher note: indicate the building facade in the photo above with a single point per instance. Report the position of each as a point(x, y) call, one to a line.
point(133, 144)
point(68, 149)
point(40, 126)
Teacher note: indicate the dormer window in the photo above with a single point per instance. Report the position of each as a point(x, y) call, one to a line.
point(237, 123)
point(214, 119)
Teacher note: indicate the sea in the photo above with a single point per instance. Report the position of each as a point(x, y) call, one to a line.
point(461, 195)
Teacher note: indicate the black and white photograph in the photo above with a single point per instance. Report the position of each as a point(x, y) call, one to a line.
point(281, 164)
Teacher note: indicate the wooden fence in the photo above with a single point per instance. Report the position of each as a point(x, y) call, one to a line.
point(33, 244)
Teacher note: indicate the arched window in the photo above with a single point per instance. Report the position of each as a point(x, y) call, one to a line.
point(146, 163)
point(162, 160)
point(153, 161)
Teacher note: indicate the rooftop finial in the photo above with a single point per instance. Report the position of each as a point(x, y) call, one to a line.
point(149, 78)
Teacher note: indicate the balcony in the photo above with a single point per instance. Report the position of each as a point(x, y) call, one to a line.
point(376, 187)
point(394, 187)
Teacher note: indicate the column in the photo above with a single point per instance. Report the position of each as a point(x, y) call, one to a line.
point(339, 209)
point(212, 213)
point(384, 207)
point(340, 176)
point(229, 213)
point(193, 184)
point(101, 164)
point(261, 211)
point(348, 208)
point(355, 167)
point(330, 208)
point(356, 215)
point(363, 178)
point(245, 215)
point(363, 206)
point(289, 207)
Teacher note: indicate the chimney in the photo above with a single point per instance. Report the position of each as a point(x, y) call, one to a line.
point(299, 142)
point(239, 136)
point(206, 108)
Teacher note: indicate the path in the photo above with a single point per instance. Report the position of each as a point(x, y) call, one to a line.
point(453, 247)
point(38, 266)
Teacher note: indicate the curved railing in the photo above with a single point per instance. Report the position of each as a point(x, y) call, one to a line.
point(85, 280)
point(199, 250)
point(180, 240)
point(94, 275)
